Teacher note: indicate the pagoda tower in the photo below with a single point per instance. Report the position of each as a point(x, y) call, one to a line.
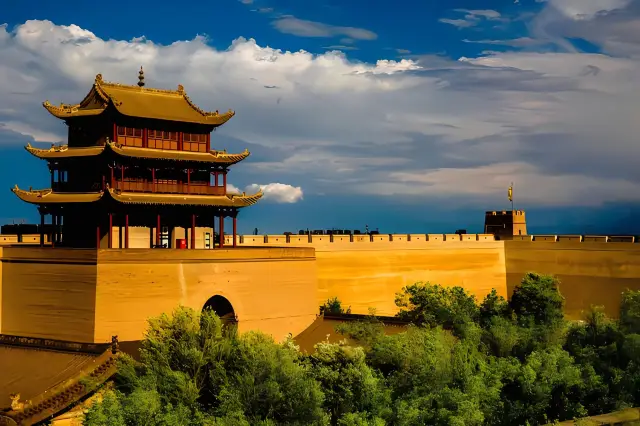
point(137, 157)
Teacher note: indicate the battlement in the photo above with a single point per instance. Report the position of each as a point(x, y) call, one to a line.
point(313, 240)
point(506, 213)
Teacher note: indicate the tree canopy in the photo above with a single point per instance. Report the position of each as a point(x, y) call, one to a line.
point(459, 362)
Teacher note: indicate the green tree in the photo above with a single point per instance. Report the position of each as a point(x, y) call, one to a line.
point(630, 311)
point(334, 306)
point(349, 384)
point(493, 306)
point(538, 301)
point(200, 372)
point(434, 305)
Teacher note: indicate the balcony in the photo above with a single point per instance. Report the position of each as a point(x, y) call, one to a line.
point(168, 188)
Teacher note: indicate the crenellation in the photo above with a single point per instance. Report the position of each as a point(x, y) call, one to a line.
point(623, 239)
point(362, 238)
point(595, 239)
point(299, 239)
point(569, 238)
point(248, 240)
point(275, 239)
point(544, 238)
point(139, 237)
point(320, 239)
point(381, 238)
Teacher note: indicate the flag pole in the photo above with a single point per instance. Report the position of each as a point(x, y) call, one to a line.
point(510, 193)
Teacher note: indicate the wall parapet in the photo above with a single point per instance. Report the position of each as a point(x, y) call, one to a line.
point(271, 240)
point(276, 240)
point(633, 239)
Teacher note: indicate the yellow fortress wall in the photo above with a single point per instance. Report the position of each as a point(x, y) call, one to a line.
point(271, 289)
point(88, 295)
point(48, 293)
point(276, 282)
point(366, 271)
point(591, 272)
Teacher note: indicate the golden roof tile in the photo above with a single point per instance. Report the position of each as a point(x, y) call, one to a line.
point(48, 196)
point(219, 157)
point(63, 151)
point(229, 200)
point(50, 391)
point(214, 157)
point(141, 102)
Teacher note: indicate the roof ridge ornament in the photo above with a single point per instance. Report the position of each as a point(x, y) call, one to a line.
point(141, 77)
point(99, 79)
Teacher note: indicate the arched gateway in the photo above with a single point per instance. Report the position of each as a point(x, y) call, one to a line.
point(222, 307)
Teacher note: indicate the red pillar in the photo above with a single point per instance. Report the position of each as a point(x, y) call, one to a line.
point(53, 230)
point(221, 230)
point(235, 229)
point(126, 231)
point(41, 229)
point(213, 236)
point(110, 230)
point(193, 231)
point(158, 232)
point(112, 179)
point(98, 235)
point(224, 182)
point(188, 181)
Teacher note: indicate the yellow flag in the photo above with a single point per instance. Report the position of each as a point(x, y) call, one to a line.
point(510, 193)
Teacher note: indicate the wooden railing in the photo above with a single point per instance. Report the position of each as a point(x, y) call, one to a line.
point(171, 188)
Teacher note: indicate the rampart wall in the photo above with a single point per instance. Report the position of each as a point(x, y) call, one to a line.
point(366, 271)
point(48, 293)
point(86, 295)
point(276, 282)
point(591, 270)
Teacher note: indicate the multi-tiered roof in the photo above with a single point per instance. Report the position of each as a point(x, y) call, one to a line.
point(133, 145)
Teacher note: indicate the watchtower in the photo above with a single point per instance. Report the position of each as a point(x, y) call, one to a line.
point(139, 157)
point(505, 224)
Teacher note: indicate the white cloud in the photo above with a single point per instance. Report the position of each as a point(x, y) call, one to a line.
point(563, 126)
point(484, 13)
point(278, 192)
point(516, 42)
point(232, 189)
point(473, 17)
point(460, 23)
point(303, 28)
point(586, 9)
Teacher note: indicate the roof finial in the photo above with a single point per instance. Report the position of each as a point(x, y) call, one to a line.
point(141, 78)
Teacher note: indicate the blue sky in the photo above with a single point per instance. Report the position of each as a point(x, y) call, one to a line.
point(406, 116)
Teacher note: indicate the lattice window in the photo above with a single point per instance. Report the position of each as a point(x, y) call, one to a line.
point(194, 142)
point(129, 136)
point(161, 139)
